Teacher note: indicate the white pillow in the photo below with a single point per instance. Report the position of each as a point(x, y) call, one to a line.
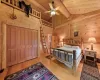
point(75, 47)
point(67, 46)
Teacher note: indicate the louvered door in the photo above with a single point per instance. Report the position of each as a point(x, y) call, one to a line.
point(0, 46)
point(26, 44)
point(11, 46)
point(22, 39)
point(21, 44)
point(18, 44)
point(29, 54)
point(34, 44)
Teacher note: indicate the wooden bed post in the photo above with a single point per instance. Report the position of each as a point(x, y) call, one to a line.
point(74, 61)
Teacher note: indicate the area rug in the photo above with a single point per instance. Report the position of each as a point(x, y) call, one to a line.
point(35, 72)
point(90, 72)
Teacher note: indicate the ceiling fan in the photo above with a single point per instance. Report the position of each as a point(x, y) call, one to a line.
point(53, 10)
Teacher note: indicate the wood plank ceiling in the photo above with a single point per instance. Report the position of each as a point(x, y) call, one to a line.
point(81, 6)
point(67, 7)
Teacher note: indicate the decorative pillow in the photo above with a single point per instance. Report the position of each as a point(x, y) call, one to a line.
point(67, 46)
point(75, 47)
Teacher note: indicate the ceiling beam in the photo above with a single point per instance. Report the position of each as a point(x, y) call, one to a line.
point(79, 17)
point(37, 4)
point(62, 8)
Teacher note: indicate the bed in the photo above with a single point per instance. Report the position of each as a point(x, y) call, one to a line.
point(69, 54)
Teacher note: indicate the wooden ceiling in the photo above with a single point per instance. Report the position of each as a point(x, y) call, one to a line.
point(44, 3)
point(67, 7)
point(81, 6)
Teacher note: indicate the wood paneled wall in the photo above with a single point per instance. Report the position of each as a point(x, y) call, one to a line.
point(22, 44)
point(21, 21)
point(59, 19)
point(88, 27)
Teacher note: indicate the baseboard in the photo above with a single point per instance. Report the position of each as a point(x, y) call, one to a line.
point(1, 70)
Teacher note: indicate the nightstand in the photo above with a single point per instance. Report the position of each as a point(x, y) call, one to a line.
point(90, 55)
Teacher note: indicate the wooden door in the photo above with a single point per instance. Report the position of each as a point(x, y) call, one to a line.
point(26, 44)
point(0, 47)
point(34, 44)
point(11, 46)
point(21, 44)
point(33, 53)
point(18, 44)
point(30, 43)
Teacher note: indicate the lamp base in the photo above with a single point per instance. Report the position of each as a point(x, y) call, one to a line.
point(91, 46)
point(1, 70)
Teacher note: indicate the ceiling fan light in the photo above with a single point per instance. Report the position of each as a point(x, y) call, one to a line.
point(53, 13)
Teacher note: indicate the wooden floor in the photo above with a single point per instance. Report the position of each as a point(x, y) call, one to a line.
point(58, 69)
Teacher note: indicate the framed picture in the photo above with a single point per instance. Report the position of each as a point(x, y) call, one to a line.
point(76, 34)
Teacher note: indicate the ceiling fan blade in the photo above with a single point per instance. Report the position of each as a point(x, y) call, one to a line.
point(57, 8)
point(50, 5)
point(57, 13)
point(47, 11)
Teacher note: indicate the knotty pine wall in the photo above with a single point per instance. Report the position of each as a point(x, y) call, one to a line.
point(88, 27)
point(21, 21)
point(59, 19)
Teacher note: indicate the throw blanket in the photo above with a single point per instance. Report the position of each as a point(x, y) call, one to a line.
point(28, 8)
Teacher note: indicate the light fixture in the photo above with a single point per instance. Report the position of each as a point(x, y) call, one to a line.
point(92, 40)
point(53, 12)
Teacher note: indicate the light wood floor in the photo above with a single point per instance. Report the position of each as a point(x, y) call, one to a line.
point(58, 69)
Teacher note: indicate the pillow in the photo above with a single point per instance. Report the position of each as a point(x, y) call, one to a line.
point(75, 47)
point(67, 46)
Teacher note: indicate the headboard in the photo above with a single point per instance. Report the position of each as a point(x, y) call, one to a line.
point(73, 41)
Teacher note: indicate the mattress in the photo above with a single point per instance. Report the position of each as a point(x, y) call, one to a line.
point(78, 51)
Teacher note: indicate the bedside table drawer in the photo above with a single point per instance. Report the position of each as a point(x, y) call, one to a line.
point(90, 53)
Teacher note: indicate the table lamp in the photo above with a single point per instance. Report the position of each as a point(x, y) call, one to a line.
point(92, 40)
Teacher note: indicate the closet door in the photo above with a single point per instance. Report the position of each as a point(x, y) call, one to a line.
point(11, 46)
point(21, 44)
point(22, 40)
point(33, 54)
point(18, 44)
point(0, 46)
point(26, 44)
point(30, 43)
point(29, 54)
point(34, 44)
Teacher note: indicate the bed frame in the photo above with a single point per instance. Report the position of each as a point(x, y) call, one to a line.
point(74, 42)
point(63, 56)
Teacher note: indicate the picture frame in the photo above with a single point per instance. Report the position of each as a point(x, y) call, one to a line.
point(76, 34)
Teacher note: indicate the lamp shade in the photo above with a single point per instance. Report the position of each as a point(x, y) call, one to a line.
point(92, 40)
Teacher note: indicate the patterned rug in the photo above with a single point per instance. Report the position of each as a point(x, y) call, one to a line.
point(34, 72)
point(90, 72)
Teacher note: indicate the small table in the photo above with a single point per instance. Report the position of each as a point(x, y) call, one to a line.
point(90, 55)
